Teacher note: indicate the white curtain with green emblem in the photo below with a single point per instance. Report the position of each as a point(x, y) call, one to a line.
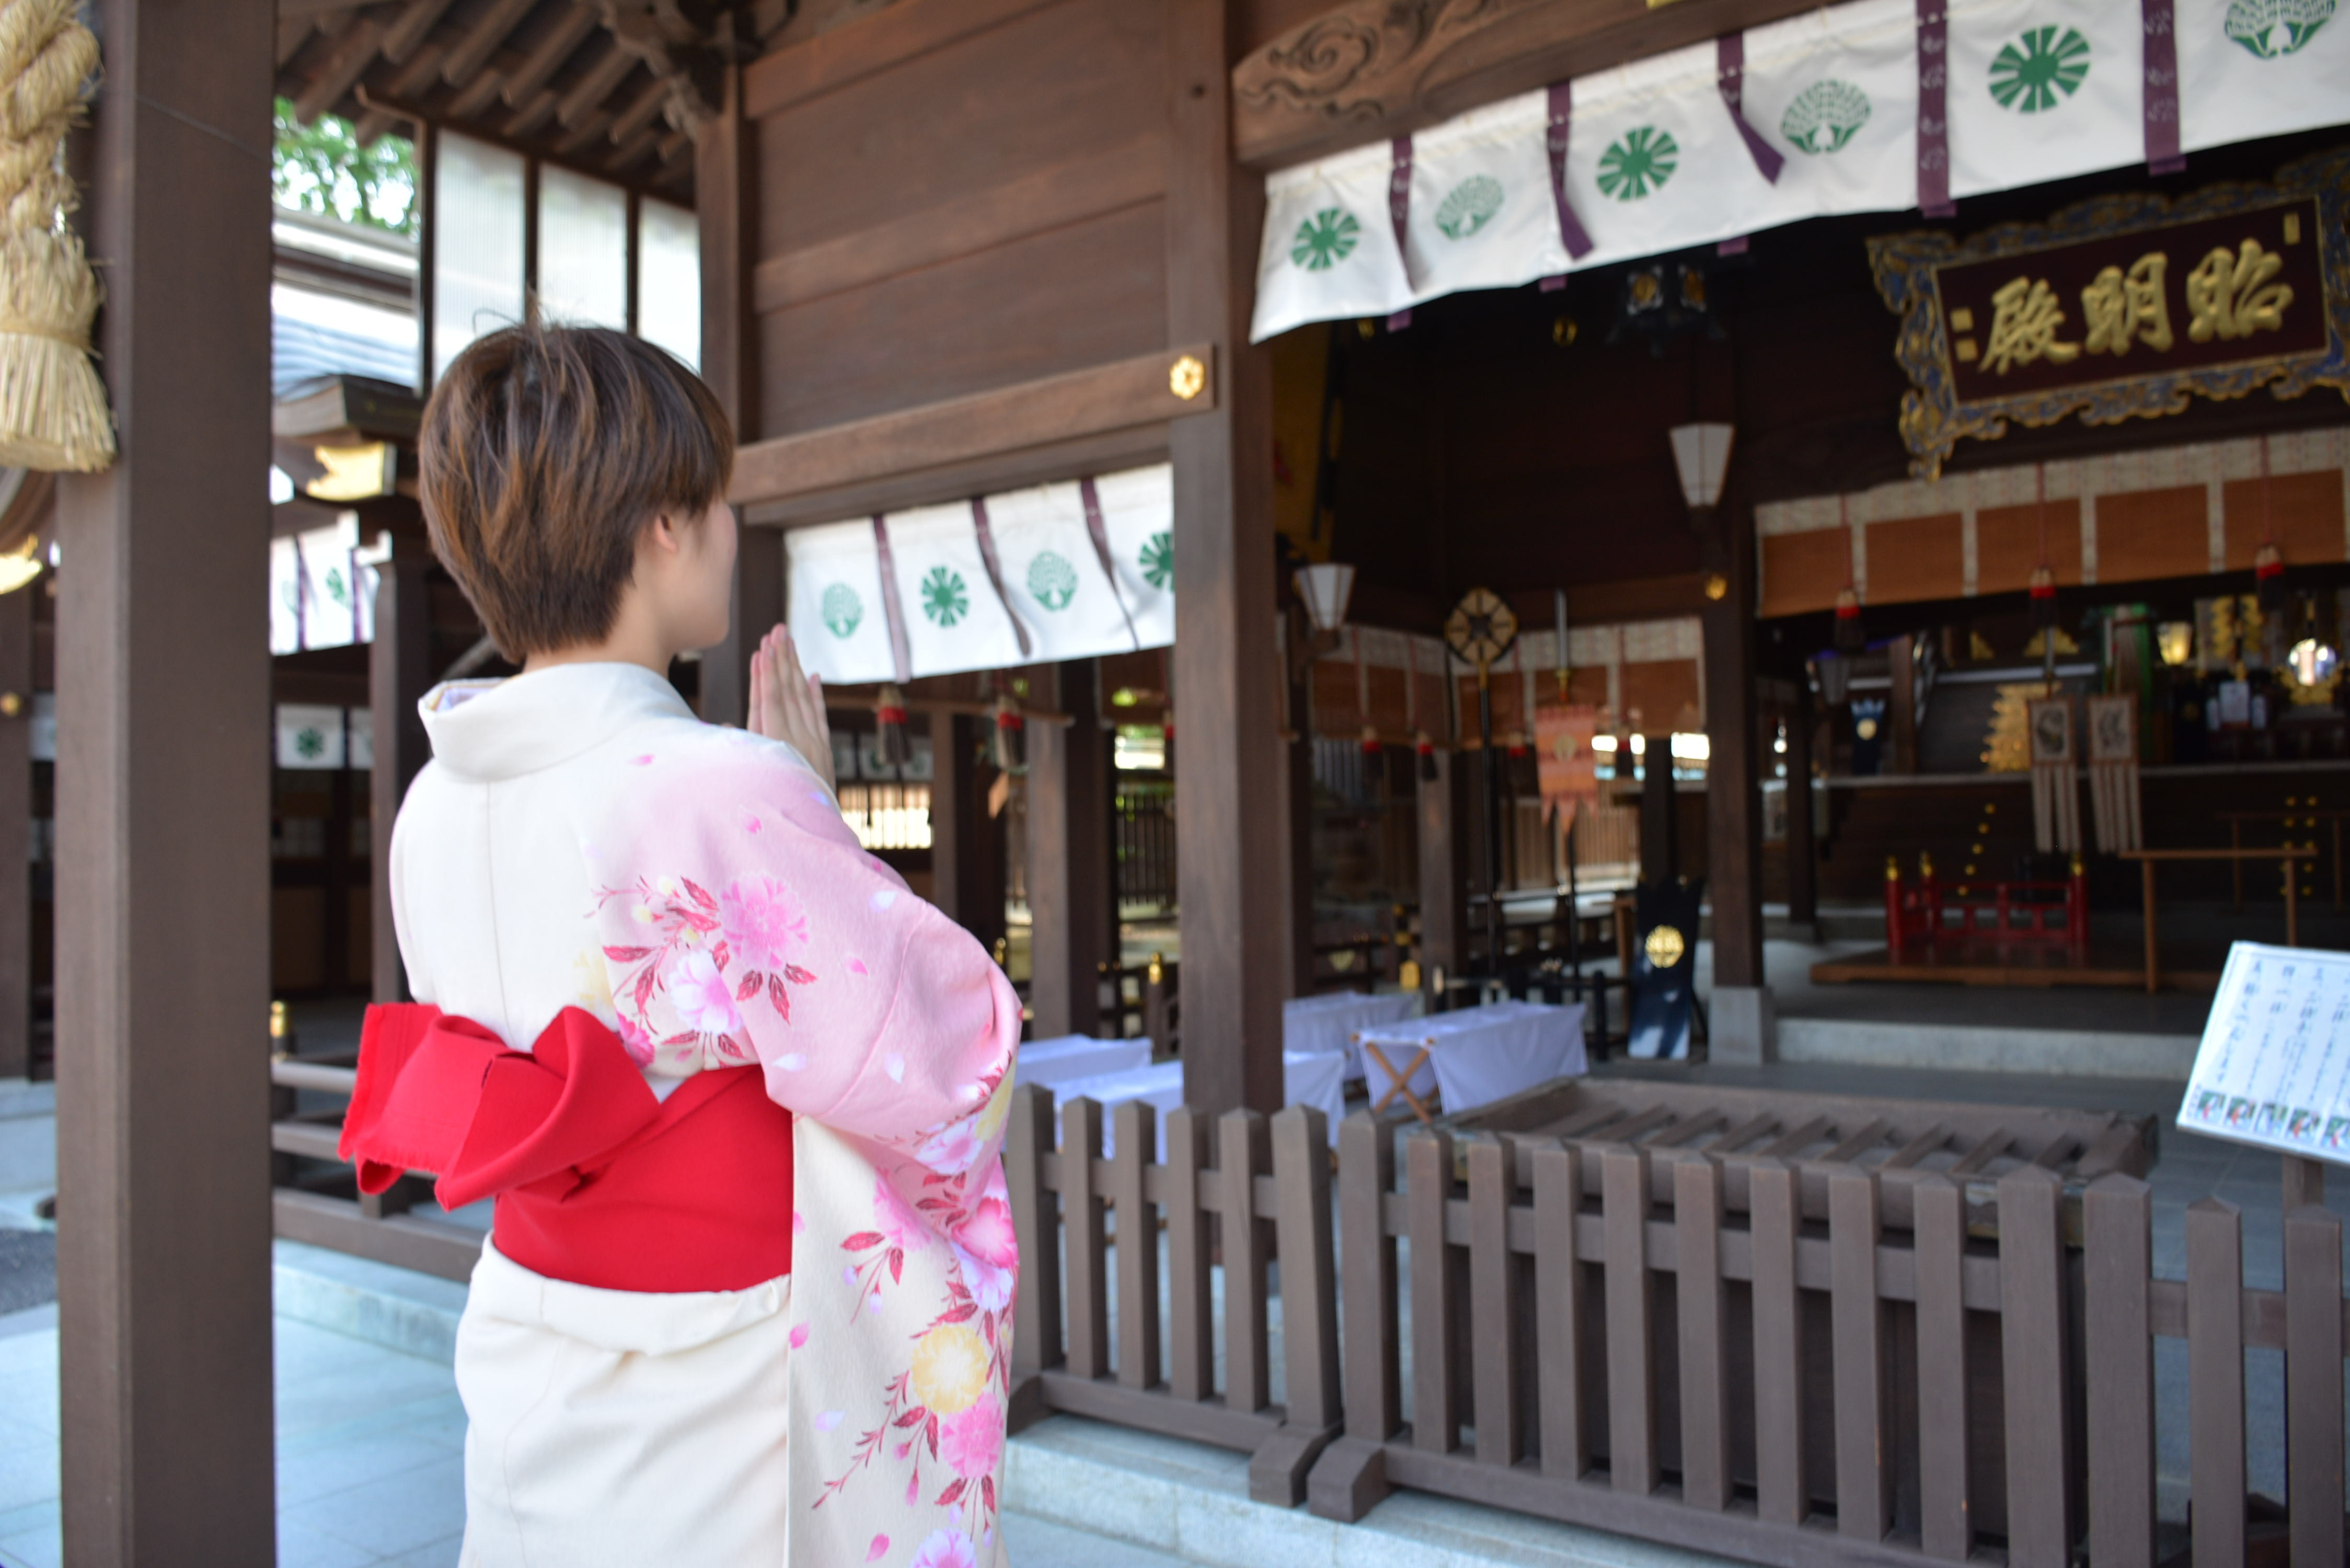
point(835, 607)
point(1481, 211)
point(1329, 244)
point(1138, 517)
point(953, 619)
point(1053, 573)
point(1836, 91)
point(2259, 67)
point(1654, 162)
point(2035, 91)
point(2043, 89)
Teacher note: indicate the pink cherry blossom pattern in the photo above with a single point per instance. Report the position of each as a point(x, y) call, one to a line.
point(951, 1151)
point(986, 1232)
point(641, 1046)
point(878, 1550)
point(700, 996)
point(946, 1549)
point(971, 1440)
point(897, 1220)
point(763, 924)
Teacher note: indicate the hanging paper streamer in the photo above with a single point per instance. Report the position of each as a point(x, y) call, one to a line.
point(1878, 105)
point(2113, 773)
point(2055, 799)
point(835, 606)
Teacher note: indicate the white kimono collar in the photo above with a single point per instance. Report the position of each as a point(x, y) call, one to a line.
point(490, 729)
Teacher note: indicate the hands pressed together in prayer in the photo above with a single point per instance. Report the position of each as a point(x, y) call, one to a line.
point(787, 703)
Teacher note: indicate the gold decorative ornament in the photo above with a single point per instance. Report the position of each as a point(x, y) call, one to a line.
point(1481, 628)
point(1187, 377)
point(1664, 947)
point(12, 705)
point(1717, 586)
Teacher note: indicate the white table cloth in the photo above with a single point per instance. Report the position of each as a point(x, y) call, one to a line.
point(1329, 1022)
point(1314, 1080)
point(1479, 1054)
point(1057, 1060)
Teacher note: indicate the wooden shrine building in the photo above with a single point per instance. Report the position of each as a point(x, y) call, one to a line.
point(1760, 369)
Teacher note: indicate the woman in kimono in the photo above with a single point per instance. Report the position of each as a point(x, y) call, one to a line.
point(736, 1093)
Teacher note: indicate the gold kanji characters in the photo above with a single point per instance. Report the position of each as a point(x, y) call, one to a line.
point(2231, 295)
point(2121, 308)
point(2023, 323)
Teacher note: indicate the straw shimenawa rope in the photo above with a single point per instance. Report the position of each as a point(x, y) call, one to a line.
point(53, 412)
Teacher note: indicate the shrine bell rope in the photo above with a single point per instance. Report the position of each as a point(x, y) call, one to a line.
point(53, 410)
point(1820, 114)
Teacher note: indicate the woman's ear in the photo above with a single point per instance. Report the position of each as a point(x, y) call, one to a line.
point(664, 533)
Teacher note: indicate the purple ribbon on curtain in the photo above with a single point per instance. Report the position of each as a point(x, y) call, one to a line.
point(995, 572)
point(1100, 532)
point(1934, 109)
point(1570, 227)
point(1730, 76)
point(2161, 96)
point(901, 662)
point(1399, 215)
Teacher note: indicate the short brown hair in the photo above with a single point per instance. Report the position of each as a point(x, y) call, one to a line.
point(545, 452)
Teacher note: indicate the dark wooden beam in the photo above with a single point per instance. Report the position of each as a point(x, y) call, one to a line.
point(1660, 837)
point(1802, 849)
point(399, 671)
point(1902, 705)
point(1366, 70)
point(832, 60)
point(1070, 884)
point(1443, 865)
point(353, 54)
point(1226, 663)
point(15, 831)
point(561, 42)
point(163, 818)
point(966, 844)
point(408, 29)
point(482, 40)
point(1124, 395)
point(1741, 1017)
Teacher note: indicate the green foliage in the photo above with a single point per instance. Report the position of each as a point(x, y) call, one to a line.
point(322, 168)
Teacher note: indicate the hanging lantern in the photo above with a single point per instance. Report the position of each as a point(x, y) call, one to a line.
point(1011, 753)
point(2268, 579)
point(1426, 748)
point(1370, 741)
point(2043, 599)
point(1849, 639)
point(889, 725)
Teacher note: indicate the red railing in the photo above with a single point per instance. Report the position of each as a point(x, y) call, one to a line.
point(1922, 913)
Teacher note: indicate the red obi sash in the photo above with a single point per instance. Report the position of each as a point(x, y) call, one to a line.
point(596, 1181)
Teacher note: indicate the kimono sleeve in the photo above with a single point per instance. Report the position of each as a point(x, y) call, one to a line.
point(747, 925)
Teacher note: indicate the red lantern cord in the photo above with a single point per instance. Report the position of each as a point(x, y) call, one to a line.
point(1847, 600)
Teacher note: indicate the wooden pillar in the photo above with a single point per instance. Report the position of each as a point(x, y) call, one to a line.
point(966, 844)
point(1741, 1023)
point(725, 189)
point(1660, 821)
point(399, 671)
point(1803, 849)
point(1901, 706)
point(1443, 869)
point(757, 604)
point(1069, 857)
point(1228, 766)
point(163, 1272)
point(16, 834)
point(1297, 832)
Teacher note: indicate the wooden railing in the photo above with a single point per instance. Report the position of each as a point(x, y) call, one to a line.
point(1269, 1185)
point(315, 1199)
point(1705, 1330)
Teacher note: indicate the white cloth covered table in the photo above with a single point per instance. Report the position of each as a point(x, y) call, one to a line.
point(1314, 1080)
point(1477, 1054)
point(1330, 1023)
point(1059, 1059)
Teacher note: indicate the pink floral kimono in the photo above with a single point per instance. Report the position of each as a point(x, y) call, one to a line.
point(581, 841)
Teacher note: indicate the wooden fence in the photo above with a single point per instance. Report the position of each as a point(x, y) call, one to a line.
point(1719, 1331)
